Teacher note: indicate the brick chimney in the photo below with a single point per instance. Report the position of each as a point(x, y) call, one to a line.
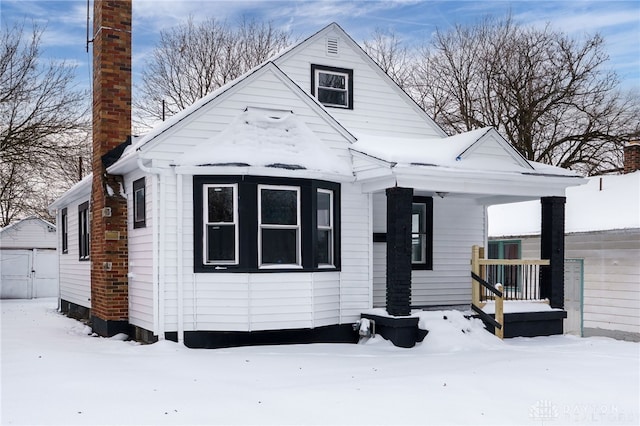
point(111, 127)
point(632, 156)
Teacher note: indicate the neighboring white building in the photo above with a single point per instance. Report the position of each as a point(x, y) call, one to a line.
point(602, 246)
point(259, 212)
point(28, 260)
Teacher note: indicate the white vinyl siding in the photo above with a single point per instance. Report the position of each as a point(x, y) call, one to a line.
point(265, 91)
point(273, 300)
point(611, 294)
point(140, 243)
point(378, 106)
point(75, 275)
point(458, 224)
point(30, 233)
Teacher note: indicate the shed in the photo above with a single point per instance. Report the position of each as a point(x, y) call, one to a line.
point(28, 259)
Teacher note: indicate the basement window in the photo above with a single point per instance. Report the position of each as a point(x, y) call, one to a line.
point(333, 87)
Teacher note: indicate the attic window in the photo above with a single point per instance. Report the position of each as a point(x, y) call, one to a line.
point(332, 86)
point(332, 46)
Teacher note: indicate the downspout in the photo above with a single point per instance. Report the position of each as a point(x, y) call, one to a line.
point(158, 250)
point(179, 231)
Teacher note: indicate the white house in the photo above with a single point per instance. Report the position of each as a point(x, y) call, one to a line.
point(285, 204)
point(28, 259)
point(602, 248)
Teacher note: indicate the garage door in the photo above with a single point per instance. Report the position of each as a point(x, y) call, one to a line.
point(25, 274)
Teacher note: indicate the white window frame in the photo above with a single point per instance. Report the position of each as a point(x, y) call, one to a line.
point(329, 228)
point(345, 90)
point(297, 227)
point(206, 223)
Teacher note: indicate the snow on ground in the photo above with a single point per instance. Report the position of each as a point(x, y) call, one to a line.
point(55, 372)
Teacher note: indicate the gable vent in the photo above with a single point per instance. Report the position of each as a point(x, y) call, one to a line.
point(332, 45)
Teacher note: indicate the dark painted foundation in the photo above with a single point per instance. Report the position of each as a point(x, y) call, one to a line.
point(108, 328)
point(343, 333)
point(99, 326)
point(532, 324)
point(401, 331)
point(75, 311)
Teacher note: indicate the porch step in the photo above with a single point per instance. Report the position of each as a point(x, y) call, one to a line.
point(530, 324)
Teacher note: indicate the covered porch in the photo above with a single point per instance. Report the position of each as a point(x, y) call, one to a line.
point(427, 263)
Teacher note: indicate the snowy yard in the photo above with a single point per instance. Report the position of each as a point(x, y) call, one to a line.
point(54, 372)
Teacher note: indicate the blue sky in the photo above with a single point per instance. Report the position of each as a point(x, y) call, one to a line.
point(414, 21)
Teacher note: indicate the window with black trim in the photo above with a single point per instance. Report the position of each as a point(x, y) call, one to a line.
point(324, 227)
point(64, 218)
point(279, 226)
point(333, 87)
point(139, 203)
point(83, 231)
point(422, 233)
point(220, 224)
point(262, 224)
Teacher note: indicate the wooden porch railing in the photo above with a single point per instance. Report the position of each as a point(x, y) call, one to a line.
point(500, 280)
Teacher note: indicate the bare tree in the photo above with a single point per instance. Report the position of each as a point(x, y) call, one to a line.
point(550, 95)
point(385, 47)
point(193, 59)
point(43, 125)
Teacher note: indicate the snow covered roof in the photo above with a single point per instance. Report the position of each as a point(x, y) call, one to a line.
point(266, 138)
point(26, 219)
point(480, 149)
point(478, 162)
point(80, 189)
point(605, 203)
point(335, 30)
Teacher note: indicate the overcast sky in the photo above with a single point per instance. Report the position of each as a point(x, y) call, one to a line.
point(414, 21)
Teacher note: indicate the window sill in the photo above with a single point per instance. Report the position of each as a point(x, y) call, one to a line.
point(208, 269)
point(283, 266)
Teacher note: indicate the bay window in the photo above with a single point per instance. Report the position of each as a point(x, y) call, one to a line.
point(265, 224)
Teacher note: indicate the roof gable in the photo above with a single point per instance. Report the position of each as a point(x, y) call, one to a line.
point(379, 103)
point(260, 137)
point(491, 149)
point(481, 149)
point(265, 87)
point(31, 232)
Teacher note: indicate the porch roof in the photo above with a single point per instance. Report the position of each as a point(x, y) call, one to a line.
point(478, 164)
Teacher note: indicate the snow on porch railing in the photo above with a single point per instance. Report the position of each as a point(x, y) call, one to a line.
point(502, 279)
